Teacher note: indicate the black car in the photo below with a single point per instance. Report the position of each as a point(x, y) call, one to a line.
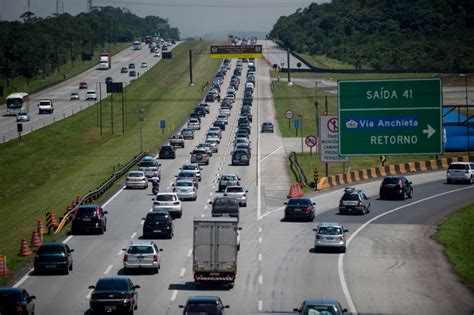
point(113, 295)
point(225, 206)
point(220, 124)
point(247, 101)
point(240, 157)
point(195, 115)
point(299, 208)
point(109, 80)
point(89, 218)
point(158, 222)
point(210, 97)
point(124, 70)
point(396, 186)
point(53, 257)
point(16, 301)
point(354, 201)
point(201, 112)
point(267, 127)
point(167, 152)
point(242, 134)
point(204, 305)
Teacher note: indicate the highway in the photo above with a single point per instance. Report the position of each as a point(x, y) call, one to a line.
point(391, 264)
point(274, 54)
point(60, 93)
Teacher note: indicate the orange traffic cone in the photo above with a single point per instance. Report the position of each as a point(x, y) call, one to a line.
point(25, 249)
point(3, 266)
point(41, 229)
point(35, 239)
point(78, 199)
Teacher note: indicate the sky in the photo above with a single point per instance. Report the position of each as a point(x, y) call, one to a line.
point(192, 17)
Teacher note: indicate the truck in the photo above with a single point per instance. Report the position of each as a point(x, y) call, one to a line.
point(45, 107)
point(215, 247)
point(137, 45)
point(105, 61)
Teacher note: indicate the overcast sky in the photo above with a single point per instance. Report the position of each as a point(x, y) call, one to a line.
point(192, 17)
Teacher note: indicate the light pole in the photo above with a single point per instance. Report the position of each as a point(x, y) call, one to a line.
point(300, 116)
point(467, 119)
point(316, 105)
point(140, 119)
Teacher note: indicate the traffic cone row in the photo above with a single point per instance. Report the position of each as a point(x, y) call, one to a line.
point(25, 249)
point(41, 229)
point(295, 191)
point(78, 200)
point(35, 239)
point(51, 221)
point(3, 266)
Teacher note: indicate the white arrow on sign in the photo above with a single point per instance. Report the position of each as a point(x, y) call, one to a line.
point(429, 131)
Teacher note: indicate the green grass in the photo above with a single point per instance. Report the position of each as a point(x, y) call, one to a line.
point(456, 233)
point(322, 61)
point(49, 167)
point(66, 71)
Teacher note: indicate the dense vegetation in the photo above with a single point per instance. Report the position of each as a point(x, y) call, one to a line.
point(385, 34)
point(39, 46)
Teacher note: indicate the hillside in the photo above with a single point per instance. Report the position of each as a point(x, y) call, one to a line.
point(385, 34)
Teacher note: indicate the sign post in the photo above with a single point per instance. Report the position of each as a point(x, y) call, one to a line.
point(390, 117)
point(316, 178)
point(289, 114)
point(311, 141)
point(329, 140)
point(162, 126)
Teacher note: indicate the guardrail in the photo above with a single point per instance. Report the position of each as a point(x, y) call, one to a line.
point(297, 170)
point(95, 194)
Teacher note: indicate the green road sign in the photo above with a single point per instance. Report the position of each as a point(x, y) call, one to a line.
point(390, 117)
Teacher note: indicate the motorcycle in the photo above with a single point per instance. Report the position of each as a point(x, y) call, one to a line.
point(155, 185)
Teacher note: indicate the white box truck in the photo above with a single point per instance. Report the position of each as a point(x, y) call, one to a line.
point(105, 61)
point(215, 246)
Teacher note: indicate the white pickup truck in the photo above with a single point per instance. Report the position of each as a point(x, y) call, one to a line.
point(45, 107)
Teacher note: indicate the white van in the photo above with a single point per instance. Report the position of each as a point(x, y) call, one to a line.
point(249, 85)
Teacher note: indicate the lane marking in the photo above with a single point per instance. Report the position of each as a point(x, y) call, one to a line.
point(88, 296)
point(133, 235)
point(205, 207)
point(190, 252)
point(108, 269)
point(202, 215)
point(183, 271)
point(120, 252)
point(173, 296)
point(259, 229)
point(340, 261)
point(113, 197)
point(23, 279)
point(260, 240)
point(260, 305)
point(260, 279)
point(67, 239)
point(268, 155)
point(259, 256)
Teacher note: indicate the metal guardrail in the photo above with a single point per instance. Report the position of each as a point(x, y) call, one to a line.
point(296, 168)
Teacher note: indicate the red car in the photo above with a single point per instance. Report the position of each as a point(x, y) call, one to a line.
point(83, 85)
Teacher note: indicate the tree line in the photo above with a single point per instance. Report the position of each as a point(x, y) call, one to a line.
point(37, 46)
point(414, 35)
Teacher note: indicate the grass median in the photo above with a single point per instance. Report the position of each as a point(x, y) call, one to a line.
point(49, 167)
point(456, 233)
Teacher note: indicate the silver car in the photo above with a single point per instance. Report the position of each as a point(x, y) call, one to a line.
point(194, 124)
point(205, 146)
point(194, 168)
point(238, 193)
point(168, 201)
point(22, 116)
point(136, 179)
point(330, 235)
point(142, 255)
point(460, 172)
point(213, 143)
point(185, 189)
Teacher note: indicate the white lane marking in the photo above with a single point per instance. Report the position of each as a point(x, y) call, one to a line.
point(260, 305)
point(202, 215)
point(183, 271)
point(173, 296)
point(133, 235)
point(120, 252)
point(88, 296)
point(260, 239)
point(23, 279)
point(268, 155)
point(113, 197)
point(67, 239)
point(213, 187)
point(211, 193)
point(259, 256)
point(142, 222)
point(190, 252)
point(340, 260)
point(205, 207)
point(260, 279)
point(108, 269)
point(259, 229)
point(208, 200)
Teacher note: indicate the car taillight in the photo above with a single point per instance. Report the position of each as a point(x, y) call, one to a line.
point(128, 298)
point(97, 213)
point(194, 189)
point(125, 258)
point(176, 203)
point(155, 258)
point(20, 308)
point(93, 297)
point(308, 209)
point(359, 203)
point(341, 238)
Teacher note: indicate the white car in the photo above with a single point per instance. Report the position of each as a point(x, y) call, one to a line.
point(91, 95)
point(238, 193)
point(136, 179)
point(194, 124)
point(194, 168)
point(141, 255)
point(22, 116)
point(170, 202)
point(460, 172)
point(185, 189)
point(144, 65)
point(213, 142)
point(157, 54)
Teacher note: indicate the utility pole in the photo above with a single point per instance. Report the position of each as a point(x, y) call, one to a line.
point(191, 83)
point(467, 118)
point(141, 118)
point(288, 63)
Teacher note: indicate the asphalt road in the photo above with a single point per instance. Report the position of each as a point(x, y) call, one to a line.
point(391, 266)
point(60, 93)
point(274, 54)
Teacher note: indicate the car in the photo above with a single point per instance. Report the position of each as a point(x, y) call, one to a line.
point(396, 186)
point(132, 73)
point(124, 70)
point(193, 168)
point(240, 157)
point(194, 124)
point(170, 201)
point(225, 207)
point(267, 127)
point(144, 65)
point(228, 180)
point(205, 146)
point(157, 54)
point(243, 146)
point(241, 140)
point(220, 124)
point(113, 295)
point(196, 116)
point(330, 235)
point(74, 96)
point(53, 257)
point(354, 201)
point(177, 141)
point(22, 116)
point(188, 175)
point(91, 95)
point(136, 179)
point(167, 152)
point(82, 85)
point(89, 218)
point(199, 111)
point(210, 97)
point(318, 306)
point(131, 66)
point(188, 134)
point(299, 208)
point(216, 130)
point(460, 172)
point(109, 80)
point(150, 166)
point(204, 106)
point(185, 189)
point(141, 255)
point(200, 157)
point(238, 193)
point(45, 107)
point(204, 305)
point(158, 222)
point(16, 301)
point(224, 111)
point(223, 118)
point(213, 143)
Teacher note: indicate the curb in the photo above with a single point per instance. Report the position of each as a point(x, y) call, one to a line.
point(396, 169)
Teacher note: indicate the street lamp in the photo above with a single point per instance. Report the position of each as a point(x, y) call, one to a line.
point(316, 105)
point(467, 119)
point(140, 119)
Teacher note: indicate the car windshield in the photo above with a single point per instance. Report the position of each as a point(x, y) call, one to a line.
point(156, 217)
point(223, 201)
point(85, 212)
point(458, 167)
point(391, 180)
point(299, 202)
point(234, 189)
point(189, 167)
point(184, 184)
point(135, 174)
point(201, 309)
point(350, 197)
point(199, 152)
point(167, 197)
point(49, 250)
point(109, 284)
point(9, 296)
point(140, 250)
point(330, 230)
point(320, 310)
point(146, 164)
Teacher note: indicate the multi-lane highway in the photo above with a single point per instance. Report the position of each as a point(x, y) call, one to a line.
point(60, 93)
point(391, 265)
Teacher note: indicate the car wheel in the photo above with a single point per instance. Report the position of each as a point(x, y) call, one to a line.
point(405, 195)
point(157, 270)
point(343, 249)
point(411, 194)
point(66, 271)
point(449, 181)
point(125, 271)
point(101, 230)
point(382, 197)
point(170, 235)
point(70, 267)
point(180, 214)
